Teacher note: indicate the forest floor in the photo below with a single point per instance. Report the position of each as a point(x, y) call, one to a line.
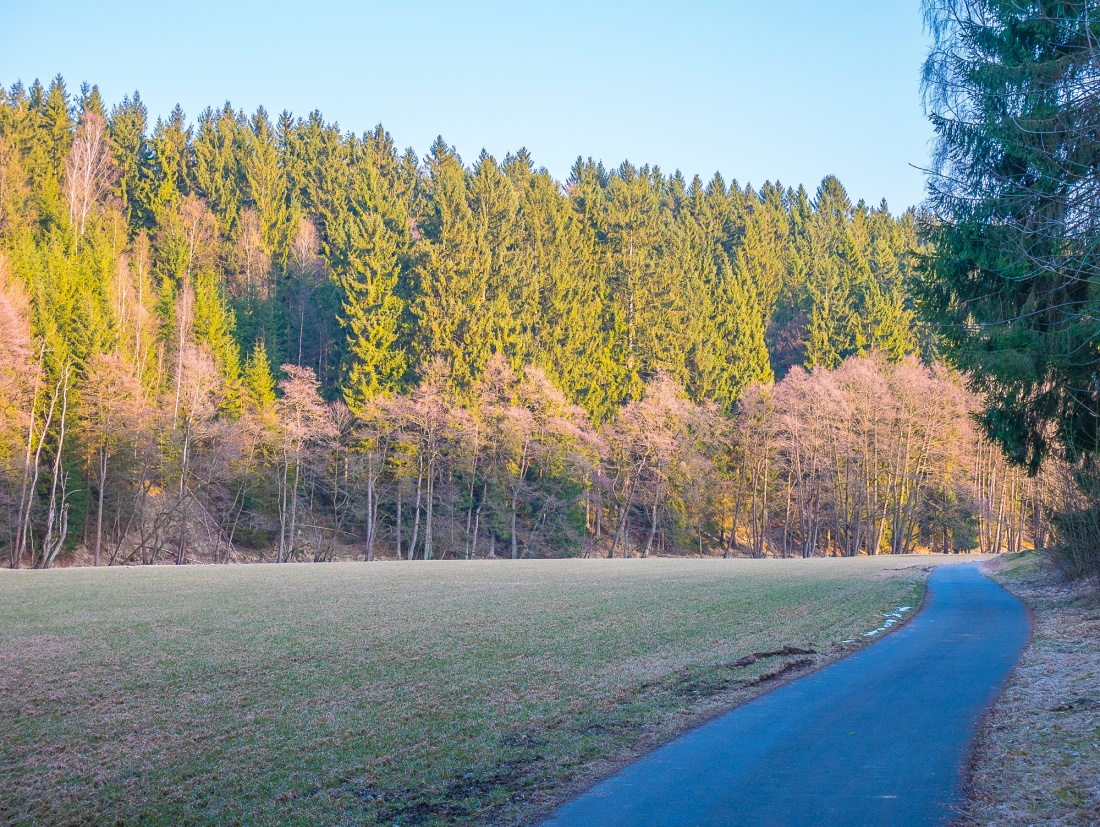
point(1037, 759)
point(393, 693)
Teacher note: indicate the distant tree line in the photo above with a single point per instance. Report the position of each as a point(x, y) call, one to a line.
point(247, 340)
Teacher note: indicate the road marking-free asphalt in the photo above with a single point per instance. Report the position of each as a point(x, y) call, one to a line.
point(788, 758)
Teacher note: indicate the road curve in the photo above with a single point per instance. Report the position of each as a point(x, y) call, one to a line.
point(878, 738)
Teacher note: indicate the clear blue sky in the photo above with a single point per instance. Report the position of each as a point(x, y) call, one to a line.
point(758, 90)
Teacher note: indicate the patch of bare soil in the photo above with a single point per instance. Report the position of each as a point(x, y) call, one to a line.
point(1037, 759)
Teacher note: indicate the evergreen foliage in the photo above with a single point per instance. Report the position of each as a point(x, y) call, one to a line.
point(602, 281)
point(1013, 274)
point(308, 319)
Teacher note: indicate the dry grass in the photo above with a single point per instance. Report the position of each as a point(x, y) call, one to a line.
point(411, 693)
point(1038, 758)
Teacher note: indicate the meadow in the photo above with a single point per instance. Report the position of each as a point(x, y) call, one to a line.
point(392, 693)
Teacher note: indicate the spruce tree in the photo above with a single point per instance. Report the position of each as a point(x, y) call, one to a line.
point(501, 257)
point(171, 160)
point(215, 325)
point(219, 153)
point(258, 379)
point(1014, 270)
point(266, 186)
point(453, 311)
point(131, 155)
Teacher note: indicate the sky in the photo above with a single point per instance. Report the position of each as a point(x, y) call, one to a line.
point(788, 90)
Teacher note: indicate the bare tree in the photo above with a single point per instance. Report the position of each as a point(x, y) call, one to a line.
point(89, 172)
point(253, 259)
point(199, 395)
point(20, 384)
point(757, 425)
point(661, 448)
point(303, 423)
point(108, 417)
point(57, 515)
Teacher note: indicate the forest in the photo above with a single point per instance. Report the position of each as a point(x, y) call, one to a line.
point(242, 340)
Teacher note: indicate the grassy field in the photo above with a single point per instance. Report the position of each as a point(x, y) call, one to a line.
point(1038, 757)
point(390, 693)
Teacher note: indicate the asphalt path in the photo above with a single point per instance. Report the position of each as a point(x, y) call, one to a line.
point(878, 738)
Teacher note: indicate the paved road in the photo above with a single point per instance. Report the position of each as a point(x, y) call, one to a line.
point(877, 739)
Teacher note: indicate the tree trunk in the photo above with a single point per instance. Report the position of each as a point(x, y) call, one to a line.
point(24, 524)
point(622, 517)
point(515, 505)
point(293, 510)
point(99, 508)
point(652, 528)
point(282, 508)
point(477, 520)
point(471, 540)
point(370, 511)
point(787, 518)
point(400, 549)
point(185, 491)
point(599, 514)
point(1038, 538)
point(51, 547)
point(25, 501)
point(416, 518)
point(736, 513)
point(429, 517)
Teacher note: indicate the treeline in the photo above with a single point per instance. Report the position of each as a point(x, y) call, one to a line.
point(248, 338)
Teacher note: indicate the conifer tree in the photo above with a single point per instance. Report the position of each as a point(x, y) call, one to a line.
point(266, 186)
point(131, 154)
point(57, 122)
point(218, 151)
point(257, 377)
point(171, 160)
point(633, 230)
point(494, 206)
point(372, 311)
point(453, 310)
point(741, 330)
point(214, 325)
point(91, 101)
point(1012, 276)
point(369, 243)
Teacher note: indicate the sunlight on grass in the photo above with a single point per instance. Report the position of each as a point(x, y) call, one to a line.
point(390, 692)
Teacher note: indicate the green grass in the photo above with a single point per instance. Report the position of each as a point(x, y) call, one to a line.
point(387, 693)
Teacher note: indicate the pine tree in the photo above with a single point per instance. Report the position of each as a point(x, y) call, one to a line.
point(219, 153)
point(258, 379)
point(836, 280)
point(171, 160)
point(741, 329)
point(1013, 273)
point(91, 101)
point(453, 311)
point(502, 260)
point(57, 122)
point(633, 229)
point(132, 157)
point(267, 188)
point(214, 325)
point(368, 242)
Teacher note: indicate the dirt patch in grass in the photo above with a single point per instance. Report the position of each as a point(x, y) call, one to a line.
point(1037, 759)
point(391, 693)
